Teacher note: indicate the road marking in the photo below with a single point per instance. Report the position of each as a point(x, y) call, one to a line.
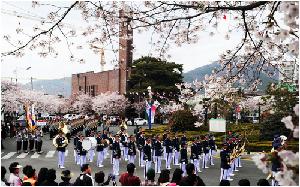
point(50, 154)
point(22, 155)
point(9, 155)
point(66, 153)
point(35, 155)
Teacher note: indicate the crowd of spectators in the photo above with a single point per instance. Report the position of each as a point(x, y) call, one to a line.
point(47, 177)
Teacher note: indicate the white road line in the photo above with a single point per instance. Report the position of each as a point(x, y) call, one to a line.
point(66, 153)
point(22, 155)
point(35, 155)
point(9, 155)
point(50, 154)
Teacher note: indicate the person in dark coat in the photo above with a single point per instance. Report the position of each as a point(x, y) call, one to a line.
point(169, 151)
point(212, 149)
point(131, 149)
point(176, 145)
point(147, 156)
point(205, 148)
point(80, 151)
point(225, 163)
point(100, 150)
point(158, 148)
point(140, 144)
point(195, 155)
point(183, 158)
point(116, 153)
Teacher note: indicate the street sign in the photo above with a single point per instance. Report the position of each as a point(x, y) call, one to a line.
point(217, 125)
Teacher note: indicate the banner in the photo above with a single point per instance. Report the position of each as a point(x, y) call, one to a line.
point(41, 122)
point(217, 125)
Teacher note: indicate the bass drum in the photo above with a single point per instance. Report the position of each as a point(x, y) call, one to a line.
point(93, 142)
point(86, 144)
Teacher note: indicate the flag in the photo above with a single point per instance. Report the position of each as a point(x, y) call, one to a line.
point(32, 117)
point(28, 117)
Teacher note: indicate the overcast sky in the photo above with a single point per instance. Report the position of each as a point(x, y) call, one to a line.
point(204, 52)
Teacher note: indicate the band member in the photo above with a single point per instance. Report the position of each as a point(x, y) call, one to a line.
point(212, 149)
point(176, 150)
point(238, 162)
point(61, 143)
point(277, 160)
point(164, 146)
point(31, 140)
point(92, 150)
point(106, 147)
point(158, 154)
point(141, 144)
point(100, 150)
point(147, 156)
point(200, 152)
point(153, 141)
point(38, 141)
point(116, 155)
point(131, 149)
point(124, 143)
point(111, 141)
point(76, 155)
point(183, 158)
point(80, 151)
point(225, 163)
point(19, 141)
point(231, 147)
point(205, 148)
point(169, 151)
point(25, 140)
point(195, 156)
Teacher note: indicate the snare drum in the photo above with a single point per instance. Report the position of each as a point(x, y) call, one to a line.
point(93, 142)
point(86, 144)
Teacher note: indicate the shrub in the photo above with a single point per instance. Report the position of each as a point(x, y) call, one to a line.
point(272, 125)
point(182, 120)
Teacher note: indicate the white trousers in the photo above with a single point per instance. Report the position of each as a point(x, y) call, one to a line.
point(141, 158)
point(61, 158)
point(125, 153)
point(100, 158)
point(224, 174)
point(204, 160)
point(147, 166)
point(196, 163)
point(91, 154)
point(105, 152)
point(76, 157)
point(211, 157)
point(176, 158)
point(131, 159)
point(82, 159)
point(116, 166)
point(239, 162)
point(274, 182)
point(158, 164)
point(182, 167)
point(168, 161)
point(165, 152)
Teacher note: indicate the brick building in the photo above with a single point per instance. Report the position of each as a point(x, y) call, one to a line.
point(113, 80)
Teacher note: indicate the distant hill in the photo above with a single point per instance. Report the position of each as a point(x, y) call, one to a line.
point(53, 87)
point(199, 74)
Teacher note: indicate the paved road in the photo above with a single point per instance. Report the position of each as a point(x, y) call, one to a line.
point(49, 159)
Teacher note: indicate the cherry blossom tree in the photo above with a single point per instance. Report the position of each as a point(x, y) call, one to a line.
point(109, 103)
point(83, 103)
point(270, 31)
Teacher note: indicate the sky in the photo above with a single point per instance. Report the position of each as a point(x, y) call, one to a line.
point(192, 56)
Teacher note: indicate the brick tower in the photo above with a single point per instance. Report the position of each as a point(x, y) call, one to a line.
point(125, 51)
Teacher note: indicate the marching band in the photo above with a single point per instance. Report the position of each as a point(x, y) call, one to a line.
point(149, 150)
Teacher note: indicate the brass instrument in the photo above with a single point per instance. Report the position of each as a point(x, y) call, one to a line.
point(63, 128)
point(237, 151)
point(65, 143)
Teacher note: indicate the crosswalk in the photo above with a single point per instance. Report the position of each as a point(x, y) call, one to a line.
point(11, 155)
